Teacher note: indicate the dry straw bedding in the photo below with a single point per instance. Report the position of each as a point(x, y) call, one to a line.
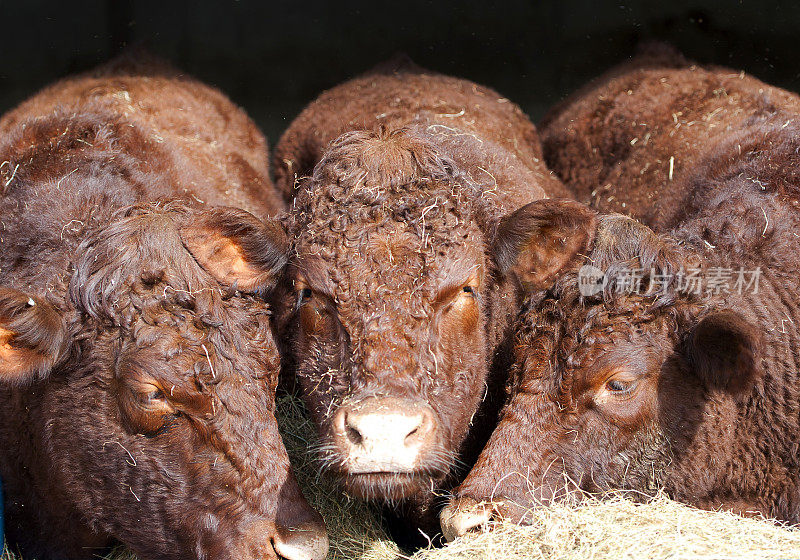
point(613, 528)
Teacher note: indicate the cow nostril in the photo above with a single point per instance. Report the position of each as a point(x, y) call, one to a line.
point(419, 434)
point(413, 437)
point(353, 435)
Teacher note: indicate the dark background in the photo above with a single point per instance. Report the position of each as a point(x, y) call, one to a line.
point(273, 57)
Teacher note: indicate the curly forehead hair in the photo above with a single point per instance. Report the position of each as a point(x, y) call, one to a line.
point(392, 218)
point(561, 328)
point(139, 260)
point(136, 275)
point(372, 177)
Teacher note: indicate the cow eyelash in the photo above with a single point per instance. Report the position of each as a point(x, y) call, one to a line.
point(620, 387)
point(472, 291)
point(303, 295)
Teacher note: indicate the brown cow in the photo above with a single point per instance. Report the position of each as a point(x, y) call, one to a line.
point(137, 365)
point(398, 298)
point(674, 384)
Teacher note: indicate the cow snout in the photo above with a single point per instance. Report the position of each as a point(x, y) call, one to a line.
point(465, 515)
point(267, 540)
point(384, 435)
point(306, 542)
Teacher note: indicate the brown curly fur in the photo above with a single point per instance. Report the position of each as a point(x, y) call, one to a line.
point(713, 415)
point(148, 418)
point(488, 136)
point(412, 172)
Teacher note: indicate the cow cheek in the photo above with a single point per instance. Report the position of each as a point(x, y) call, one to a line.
point(317, 323)
point(616, 444)
point(462, 318)
point(459, 333)
point(463, 346)
point(318, 354)
point(311, 319)
point(318, 343)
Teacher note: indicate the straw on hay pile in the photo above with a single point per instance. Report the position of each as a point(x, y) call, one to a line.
point(613, 528)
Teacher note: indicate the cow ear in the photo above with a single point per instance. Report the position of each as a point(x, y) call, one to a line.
point(236, 248)
point(33, 337)
point(725, 351)
point(538, 241)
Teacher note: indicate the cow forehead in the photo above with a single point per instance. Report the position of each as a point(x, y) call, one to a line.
point(392, 258)
point(617, 344)
point(202, 332)
point(565, 343)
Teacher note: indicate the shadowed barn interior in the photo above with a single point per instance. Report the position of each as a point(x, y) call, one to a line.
point(274, 57)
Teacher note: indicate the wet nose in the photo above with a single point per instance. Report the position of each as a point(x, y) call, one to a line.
point(384, 434)
point(305, 542)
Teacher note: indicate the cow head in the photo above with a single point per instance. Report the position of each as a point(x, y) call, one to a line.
point(159, 375)
point(398, 296)
point(614, 388)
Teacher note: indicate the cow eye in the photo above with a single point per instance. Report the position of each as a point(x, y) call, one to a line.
point(302, 292)
point(150, 395)
point(620, 387)
point(303, 295)
point(469, 290)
